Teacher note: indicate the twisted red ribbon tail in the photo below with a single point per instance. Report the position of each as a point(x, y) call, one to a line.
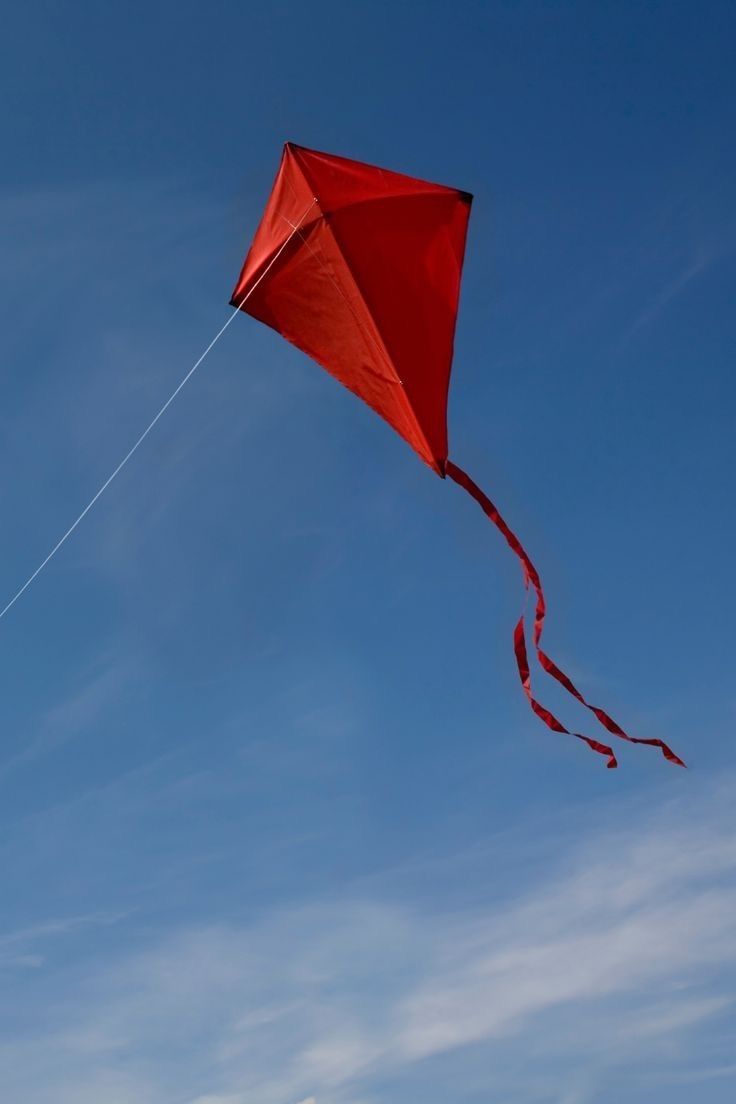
point(543, 713)
point(531, 575)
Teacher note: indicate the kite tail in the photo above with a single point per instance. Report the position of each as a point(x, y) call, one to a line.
point(531, 576)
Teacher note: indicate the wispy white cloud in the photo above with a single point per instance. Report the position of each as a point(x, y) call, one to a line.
point(673, 287)
point(691, 236)
point(15, 946)
point(614, 963)
point(82, 707)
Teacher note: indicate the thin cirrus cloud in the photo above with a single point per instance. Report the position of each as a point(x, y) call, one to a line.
point(607, 976)
point(13, 944)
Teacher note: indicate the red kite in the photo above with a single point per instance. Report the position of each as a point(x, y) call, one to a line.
point(360, 268)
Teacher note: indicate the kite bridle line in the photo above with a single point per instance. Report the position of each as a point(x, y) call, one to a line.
point(152, 423)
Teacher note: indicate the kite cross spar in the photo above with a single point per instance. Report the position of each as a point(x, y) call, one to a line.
point(369, 288)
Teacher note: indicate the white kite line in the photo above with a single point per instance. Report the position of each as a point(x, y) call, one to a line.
point(151, 424)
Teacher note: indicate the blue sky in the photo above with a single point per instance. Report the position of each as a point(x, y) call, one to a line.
point(277, 825)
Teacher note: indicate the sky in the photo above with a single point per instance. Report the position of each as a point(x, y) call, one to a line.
point(276, 823)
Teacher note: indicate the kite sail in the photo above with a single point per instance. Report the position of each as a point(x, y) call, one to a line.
point(360, 268)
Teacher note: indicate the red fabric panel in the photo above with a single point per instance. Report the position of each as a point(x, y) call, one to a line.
point(531, 575)
point(406, 256)
point(341, 181)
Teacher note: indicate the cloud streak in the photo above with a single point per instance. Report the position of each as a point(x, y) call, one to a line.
point(615, 963)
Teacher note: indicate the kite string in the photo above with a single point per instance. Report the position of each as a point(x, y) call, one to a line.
point(152, 423)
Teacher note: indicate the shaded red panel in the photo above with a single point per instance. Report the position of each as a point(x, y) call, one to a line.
point(291, 203)
point(405, 254)
point(339, 181)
